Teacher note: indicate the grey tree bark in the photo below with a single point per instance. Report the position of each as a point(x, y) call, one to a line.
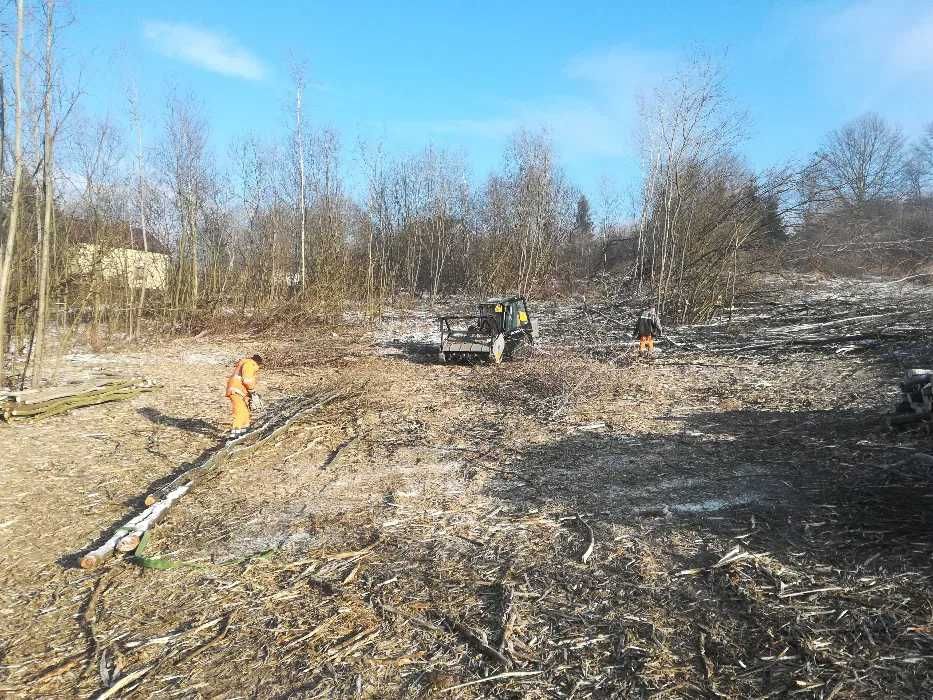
point(47, 230)
point(13, 222)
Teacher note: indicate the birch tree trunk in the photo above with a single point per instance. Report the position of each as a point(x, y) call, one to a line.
point(45, 245)
point(13, 222)
point(302, 200)
point(141, 304)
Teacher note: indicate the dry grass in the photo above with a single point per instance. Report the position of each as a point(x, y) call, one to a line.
point(748, 530)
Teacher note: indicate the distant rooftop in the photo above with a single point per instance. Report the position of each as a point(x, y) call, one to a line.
point(113, 234)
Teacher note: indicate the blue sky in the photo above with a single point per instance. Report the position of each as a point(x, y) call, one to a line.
point(465, 75)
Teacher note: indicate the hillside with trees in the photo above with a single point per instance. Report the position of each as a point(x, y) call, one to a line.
point(274, 225)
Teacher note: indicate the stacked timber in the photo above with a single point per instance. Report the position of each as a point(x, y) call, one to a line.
point(916, 402)
point(36, 404)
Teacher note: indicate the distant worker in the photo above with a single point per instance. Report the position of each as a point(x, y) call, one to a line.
point(647, 326)
point(240, 389)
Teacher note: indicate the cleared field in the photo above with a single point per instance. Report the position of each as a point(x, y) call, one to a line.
point(733, 518)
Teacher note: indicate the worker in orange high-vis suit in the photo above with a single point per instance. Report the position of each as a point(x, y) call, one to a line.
point(240, 388)
point(647, 327)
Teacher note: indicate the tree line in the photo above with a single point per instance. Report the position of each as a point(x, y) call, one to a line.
point(137, 224)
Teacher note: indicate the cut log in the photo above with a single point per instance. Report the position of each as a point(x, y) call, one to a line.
point(127, 537)
point(134, 533)
point(274, 425)
point(27, 396)
point(38, 404)
point(98, 556)
point(190, 476)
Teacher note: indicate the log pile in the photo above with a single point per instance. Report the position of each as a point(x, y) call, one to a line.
point(128, 536)
point(916, 401)
point(36, 404)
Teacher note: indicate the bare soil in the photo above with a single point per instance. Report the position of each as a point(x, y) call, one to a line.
point(732, 518)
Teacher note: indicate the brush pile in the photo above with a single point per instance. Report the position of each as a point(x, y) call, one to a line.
point(36, 404)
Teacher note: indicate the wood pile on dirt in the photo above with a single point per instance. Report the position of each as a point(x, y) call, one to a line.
point(916, 402)
point(36, 404)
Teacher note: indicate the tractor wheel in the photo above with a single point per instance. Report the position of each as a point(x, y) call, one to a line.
point(520, 351)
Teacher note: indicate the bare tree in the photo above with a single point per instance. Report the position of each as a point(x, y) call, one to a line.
point(13, 216)
point(862, 162)
point(300, 165)
point(142, 219)
point(46, 230)
point(695, 192)
point(184, 159)
point(920, 163)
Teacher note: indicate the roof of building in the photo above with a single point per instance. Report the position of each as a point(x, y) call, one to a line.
point(114, 234)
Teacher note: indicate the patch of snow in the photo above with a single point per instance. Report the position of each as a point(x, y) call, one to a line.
point(714, 504)
point(206, 358)
point(248, 546)
point(96, 359)
point(412, 329)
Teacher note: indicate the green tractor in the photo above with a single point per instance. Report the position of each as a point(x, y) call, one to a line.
point(503, 328)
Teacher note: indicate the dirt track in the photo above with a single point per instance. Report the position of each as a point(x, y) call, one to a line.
point(386, 546)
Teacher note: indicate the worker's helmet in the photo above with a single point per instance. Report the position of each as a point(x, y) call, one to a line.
point(257, 358)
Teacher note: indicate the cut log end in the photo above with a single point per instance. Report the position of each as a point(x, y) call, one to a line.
point(89, 561)
point(128, 543)
point(151, 499)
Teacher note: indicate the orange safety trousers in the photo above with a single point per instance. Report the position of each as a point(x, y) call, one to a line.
point(646, 341)
point(240, 411)
point(242, 381)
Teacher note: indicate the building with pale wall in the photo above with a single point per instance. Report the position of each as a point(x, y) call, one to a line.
point(118, 252)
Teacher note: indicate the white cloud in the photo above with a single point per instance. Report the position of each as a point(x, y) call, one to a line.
point(594, 117)
point(621, 73)
point(576, 126)
point(582, 126)
point(895, 37)
point(913, 51)
point(209, 50)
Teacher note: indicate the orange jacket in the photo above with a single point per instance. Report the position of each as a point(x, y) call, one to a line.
point(243, 380)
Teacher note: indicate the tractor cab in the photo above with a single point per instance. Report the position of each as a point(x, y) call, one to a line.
point(502, 328)
point(510, 314)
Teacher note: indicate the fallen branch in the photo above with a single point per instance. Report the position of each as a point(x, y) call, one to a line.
point(272, 427)
point(797, 594)
point(708, 667)
point(127, 537)
point(471, 636)
point(508, 616)
point(59, 668)
point(587, 553)
point(497, 677)
point(210, 642)
point(122, 683)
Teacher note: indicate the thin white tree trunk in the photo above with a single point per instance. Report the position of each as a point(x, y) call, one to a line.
point(43, 290)
point(142, 220)
point(302, 208)
point(7, 263)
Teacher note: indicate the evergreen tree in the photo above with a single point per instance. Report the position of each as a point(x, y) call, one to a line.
point(773, 223)
point(584, 220)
